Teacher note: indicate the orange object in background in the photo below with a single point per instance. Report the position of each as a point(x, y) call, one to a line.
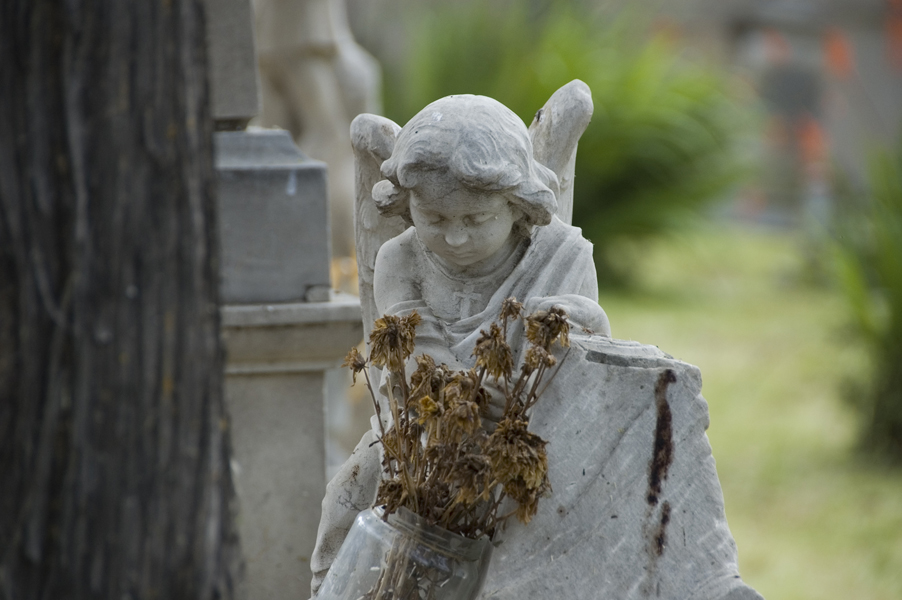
point(776, 47)
point(894, 34)
point(838, 53)
point(812, 140)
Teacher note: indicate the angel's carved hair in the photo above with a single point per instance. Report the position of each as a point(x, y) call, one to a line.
point(478, 141)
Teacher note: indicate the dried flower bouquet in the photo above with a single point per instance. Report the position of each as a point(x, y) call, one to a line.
point(441, 460)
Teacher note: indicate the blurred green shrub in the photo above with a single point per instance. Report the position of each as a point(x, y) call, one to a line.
point(662, 142)
point(869, 260)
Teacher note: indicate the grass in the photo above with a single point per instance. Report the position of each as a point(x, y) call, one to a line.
point(811, 519)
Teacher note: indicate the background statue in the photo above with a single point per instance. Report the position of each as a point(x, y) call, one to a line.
point(315, 79)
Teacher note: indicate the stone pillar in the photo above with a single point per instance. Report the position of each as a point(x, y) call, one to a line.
point(283, 328)
point(282, 325)
point(232, 63)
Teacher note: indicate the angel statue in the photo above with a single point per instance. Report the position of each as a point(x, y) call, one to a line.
point(461, 209)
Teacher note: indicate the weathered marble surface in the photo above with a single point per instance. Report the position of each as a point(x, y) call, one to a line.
point(637, 510)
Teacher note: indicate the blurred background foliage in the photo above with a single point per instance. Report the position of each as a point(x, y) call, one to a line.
point(665, 138)
point(869, 269)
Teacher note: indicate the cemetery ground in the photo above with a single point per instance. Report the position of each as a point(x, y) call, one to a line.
point(812, 519)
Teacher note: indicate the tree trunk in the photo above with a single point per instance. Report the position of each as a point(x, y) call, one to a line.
point(114, 458)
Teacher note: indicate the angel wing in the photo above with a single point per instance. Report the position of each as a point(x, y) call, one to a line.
point(373, 139)
point(555, 132)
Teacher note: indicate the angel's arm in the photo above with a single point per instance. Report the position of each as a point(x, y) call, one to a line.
point(581, 304)
point(394, 280)
point(397, 292)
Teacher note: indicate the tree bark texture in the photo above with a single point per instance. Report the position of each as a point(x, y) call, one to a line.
point(114, 459)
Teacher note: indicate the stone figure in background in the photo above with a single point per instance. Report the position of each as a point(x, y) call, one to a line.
point(455, 214)
point(315, 79)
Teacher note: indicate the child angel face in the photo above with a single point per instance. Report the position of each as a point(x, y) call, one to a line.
point(460, 225)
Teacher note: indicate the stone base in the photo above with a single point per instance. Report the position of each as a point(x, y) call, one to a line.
point(277, 354)
point(277, 448)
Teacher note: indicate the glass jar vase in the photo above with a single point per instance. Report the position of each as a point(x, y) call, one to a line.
point(405, 558)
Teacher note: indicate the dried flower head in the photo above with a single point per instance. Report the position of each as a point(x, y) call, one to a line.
point(538, 356)
point(481, 398)
point(517, 453)
point(543, 327)
point(471, 473)
point(392, 340)
point(462, 386)
point(355, 361)
point(527, 498)
point(511, 309)
point(427, 410)
point(423, 373)
point(527, 477)
point(493, 353)
point(462, 419)
point(428, 379)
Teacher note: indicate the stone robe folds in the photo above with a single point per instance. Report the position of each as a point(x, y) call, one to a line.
point(557, 262)
point(636, 509)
